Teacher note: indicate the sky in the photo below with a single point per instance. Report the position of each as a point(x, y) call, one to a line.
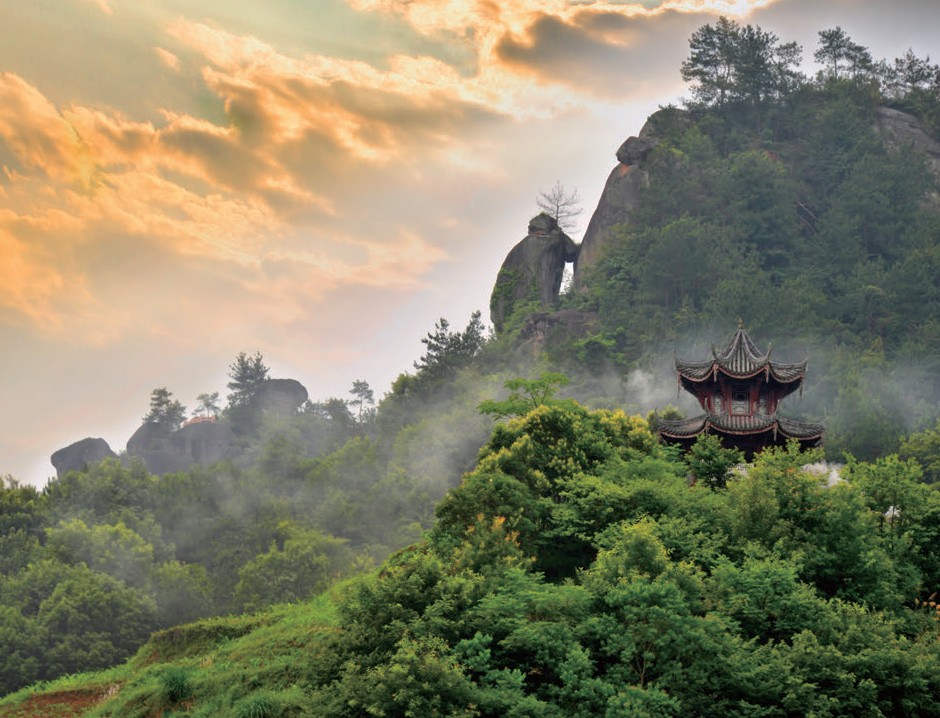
point(319, 181)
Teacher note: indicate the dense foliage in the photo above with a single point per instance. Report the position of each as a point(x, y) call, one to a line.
point(98, 559)
point(574, 571)
point(785, 208)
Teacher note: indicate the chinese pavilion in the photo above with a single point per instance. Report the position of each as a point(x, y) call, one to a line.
point(740, 388)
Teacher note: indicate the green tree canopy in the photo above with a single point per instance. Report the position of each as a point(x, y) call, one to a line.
point(838, 53)
point(165, 411)
point(208, 404)
point(730, 63)
point(247, 373)
point(446, 350)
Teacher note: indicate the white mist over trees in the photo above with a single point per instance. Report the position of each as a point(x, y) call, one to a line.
point(571, 570)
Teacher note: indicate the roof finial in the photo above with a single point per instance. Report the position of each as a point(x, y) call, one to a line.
point(740, 323)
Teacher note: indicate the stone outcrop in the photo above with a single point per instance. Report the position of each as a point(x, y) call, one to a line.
point(899, 128)
point(620, 197)
point(533, 270)
point(201, 440)
point(543, 330)
point(148, 437)
point(204, 442)
point(280, 396)
point(78, 456)
point(634, 150)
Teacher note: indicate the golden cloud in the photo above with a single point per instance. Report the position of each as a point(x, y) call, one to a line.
point(168, 58)
point(188, 187)
point(38, 136)
point(586, 46)
point(37, 294)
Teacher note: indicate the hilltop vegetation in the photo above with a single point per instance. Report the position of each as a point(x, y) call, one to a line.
point(575, 573)
point(99, 559)
point(572, 571)
point(773, 198)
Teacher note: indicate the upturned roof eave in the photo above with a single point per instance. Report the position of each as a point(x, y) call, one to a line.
point(740, 352)
point(778, 425)
point(716, 367)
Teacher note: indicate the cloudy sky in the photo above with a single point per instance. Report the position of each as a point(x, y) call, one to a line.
point(318, 180)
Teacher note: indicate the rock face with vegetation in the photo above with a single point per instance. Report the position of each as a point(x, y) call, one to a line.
point(902, 129)
point(532, 272)
point(203, 443)
point(77, 456)
point(622, 194)
point(167, 448)
point(544, 331)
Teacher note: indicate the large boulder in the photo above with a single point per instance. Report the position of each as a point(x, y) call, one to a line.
point(148, 437)
point(204, 442)
point(280, 396)
point(532, 271)
point(624, 188)
point(635, 149)
point(78, 456)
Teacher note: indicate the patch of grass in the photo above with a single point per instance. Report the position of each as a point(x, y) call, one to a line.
point(240, 666)
point(196, 638)
point(175, 685)
point(64, 697)
point(260, 704)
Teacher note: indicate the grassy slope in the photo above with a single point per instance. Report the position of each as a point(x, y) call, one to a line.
point(245, 666)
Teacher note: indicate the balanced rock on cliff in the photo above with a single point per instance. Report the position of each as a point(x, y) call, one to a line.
point(280, 396)
point(533, 270)
point(621, 195)
point(77, 456)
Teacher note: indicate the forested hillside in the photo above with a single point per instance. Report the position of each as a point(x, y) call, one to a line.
point(98, 559)
point(785, 202)
point(576, 573)
point(567, 567)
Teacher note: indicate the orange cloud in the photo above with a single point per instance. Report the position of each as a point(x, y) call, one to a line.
point(38, 294)
point(91, 178)
point(38, 135)
point(374, 115)
point(167, 58)
point(589, 47)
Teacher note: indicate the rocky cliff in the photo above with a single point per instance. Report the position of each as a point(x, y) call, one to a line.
point(199, 441)
point(623, 190)
point(532, 271)
point(621, 194)
point(899, 128)
point(77, 456)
